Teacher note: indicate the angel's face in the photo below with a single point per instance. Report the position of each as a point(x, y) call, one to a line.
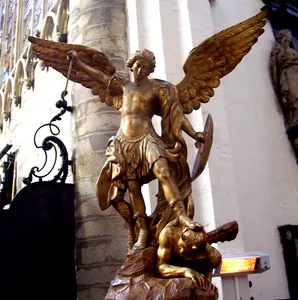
point(140, 69)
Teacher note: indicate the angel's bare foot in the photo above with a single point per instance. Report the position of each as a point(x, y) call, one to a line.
point(143, 235)
point(186, 221)
point(141, 243)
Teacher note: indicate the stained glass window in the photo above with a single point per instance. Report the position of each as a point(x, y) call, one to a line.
point(50, 4)
point(9, 35)
point(37, 15)
point(27, 22)
point(2, 11)
point(3, 71)
point(18, 20)
point(14, 32)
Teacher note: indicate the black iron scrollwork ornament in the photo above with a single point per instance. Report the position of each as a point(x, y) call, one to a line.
point(53, 143)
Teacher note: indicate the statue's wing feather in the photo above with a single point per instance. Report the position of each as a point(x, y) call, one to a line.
point(216, 57)
point(55, 55)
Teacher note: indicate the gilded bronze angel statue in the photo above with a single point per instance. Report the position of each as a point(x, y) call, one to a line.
point(137, 154)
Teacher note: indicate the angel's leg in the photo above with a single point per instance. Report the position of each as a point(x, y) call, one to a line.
point(138, 208)
point(162, 172)
point(125, 211)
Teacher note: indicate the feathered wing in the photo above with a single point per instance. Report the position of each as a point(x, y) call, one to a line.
point(214, 58)
point(55, 55)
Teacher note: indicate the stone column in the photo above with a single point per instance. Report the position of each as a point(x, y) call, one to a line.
point(101, 236)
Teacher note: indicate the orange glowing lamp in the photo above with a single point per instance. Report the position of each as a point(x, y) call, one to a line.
point(238, 265)
point(242, 264)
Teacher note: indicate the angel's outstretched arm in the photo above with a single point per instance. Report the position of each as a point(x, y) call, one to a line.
point(92, 72)
point(187, 128)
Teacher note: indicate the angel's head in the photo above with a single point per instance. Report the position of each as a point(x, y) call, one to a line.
point(141, 63)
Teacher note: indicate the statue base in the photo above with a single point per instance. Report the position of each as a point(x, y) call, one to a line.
point(135, 280)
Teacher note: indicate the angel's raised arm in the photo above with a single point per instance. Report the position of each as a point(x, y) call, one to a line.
point(89, 70)
point(90, 66)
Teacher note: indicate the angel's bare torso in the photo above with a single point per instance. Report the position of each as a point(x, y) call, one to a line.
point(137, 108)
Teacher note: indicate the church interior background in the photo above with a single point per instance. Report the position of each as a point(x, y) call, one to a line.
point(252, 173)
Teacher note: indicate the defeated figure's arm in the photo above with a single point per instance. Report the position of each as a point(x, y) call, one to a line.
point(170, 271)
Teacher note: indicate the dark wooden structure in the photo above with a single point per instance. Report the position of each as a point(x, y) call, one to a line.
point(289, 240)
point(37, 241)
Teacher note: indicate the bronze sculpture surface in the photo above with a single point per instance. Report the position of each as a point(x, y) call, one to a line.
point(191, 252)
point(137, 154)
point(284, 70)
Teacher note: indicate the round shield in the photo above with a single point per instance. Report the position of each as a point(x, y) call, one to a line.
point(103, 185)
point(203, 150)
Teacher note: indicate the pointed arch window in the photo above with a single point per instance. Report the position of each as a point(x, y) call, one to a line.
point(50, 4)
point(18, 20)
point(38, 13)
point(27, 25)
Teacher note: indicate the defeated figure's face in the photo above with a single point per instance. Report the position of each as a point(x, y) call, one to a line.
point(140, 69)
point(192, 241)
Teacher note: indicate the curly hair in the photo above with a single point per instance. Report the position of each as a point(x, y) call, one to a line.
point(144, 54)
point(192, 237)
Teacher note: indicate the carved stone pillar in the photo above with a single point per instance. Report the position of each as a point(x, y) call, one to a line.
point(101, 236)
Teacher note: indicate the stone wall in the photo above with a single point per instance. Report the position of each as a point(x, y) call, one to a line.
point(37, 107)
point(264, 162)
